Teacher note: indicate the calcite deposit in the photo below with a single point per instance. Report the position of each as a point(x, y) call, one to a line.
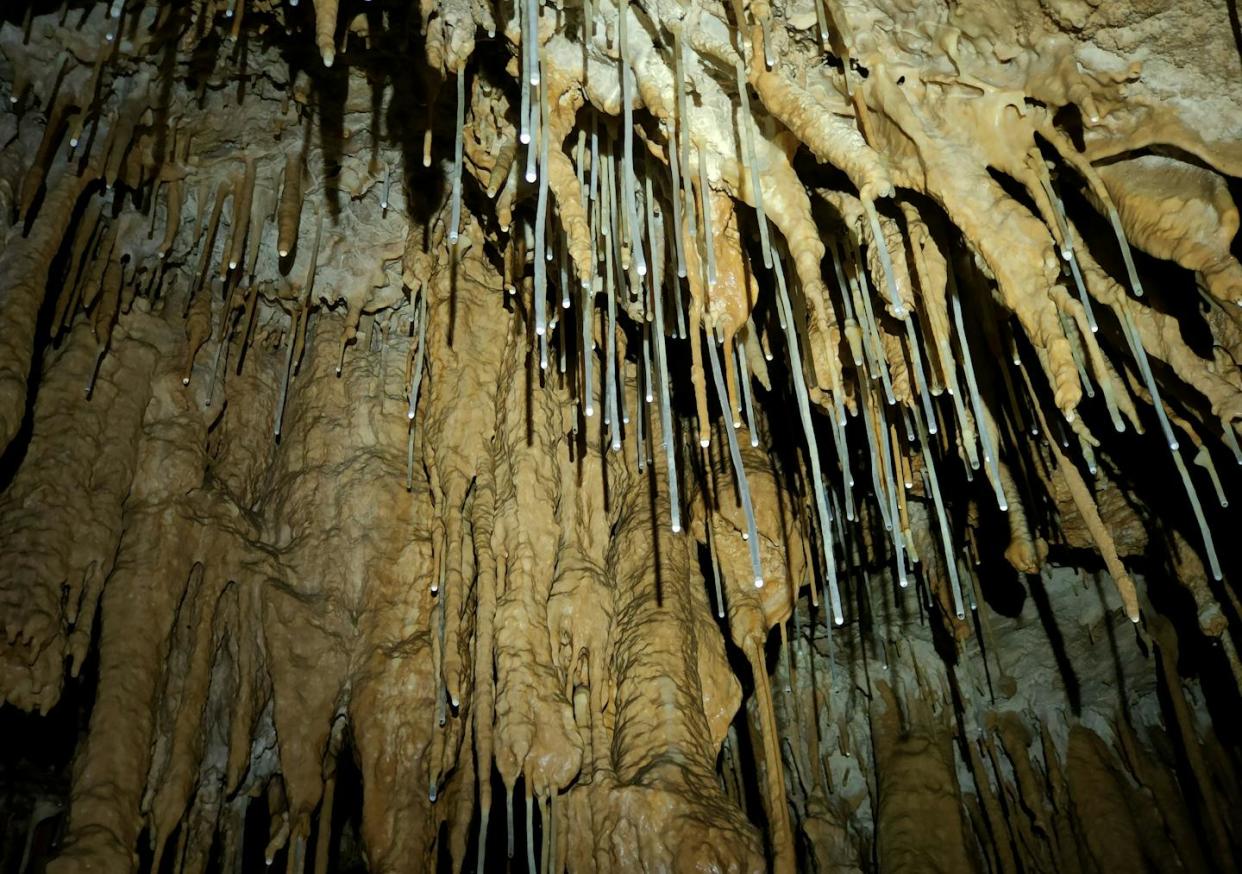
point(790, 435)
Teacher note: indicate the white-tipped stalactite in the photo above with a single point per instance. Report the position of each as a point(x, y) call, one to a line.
point(739, 470)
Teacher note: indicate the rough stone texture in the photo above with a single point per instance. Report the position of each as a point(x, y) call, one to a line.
point(344, 516)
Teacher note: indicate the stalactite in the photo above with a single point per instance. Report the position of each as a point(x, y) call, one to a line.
point(198, 330)
point(1091, 516)
point(455, 219)
point(627, 181)
point(24, 266)
point(290, 214)
point(739, 470)
point(541, 225)
point(325, 29)
point(35, 176)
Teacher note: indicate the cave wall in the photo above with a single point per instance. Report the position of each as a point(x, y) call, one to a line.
point(373, 493)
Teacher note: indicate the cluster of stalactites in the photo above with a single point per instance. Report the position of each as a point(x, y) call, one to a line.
point(646, 217)
point(642, 215)
point(639, 235)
